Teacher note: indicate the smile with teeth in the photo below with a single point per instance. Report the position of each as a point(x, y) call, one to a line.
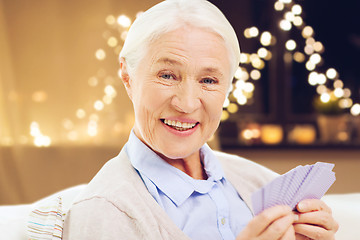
point(180, 126)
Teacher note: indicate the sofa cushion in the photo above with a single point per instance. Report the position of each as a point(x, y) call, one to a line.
point(346, 211)
point(14, 218)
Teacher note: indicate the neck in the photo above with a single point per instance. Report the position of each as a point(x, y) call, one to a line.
point(191, 165)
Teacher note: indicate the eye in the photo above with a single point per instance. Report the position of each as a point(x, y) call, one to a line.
point(167, 76)
point(209, 81)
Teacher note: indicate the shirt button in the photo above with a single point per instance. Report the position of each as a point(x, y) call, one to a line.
point(223, 221)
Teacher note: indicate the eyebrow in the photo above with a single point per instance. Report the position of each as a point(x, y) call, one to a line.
point(213, 71)
point(168, 61)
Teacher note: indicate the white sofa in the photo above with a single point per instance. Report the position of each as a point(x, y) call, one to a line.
point(14, 218)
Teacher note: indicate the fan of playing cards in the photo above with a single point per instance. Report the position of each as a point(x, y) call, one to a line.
point(302, 182)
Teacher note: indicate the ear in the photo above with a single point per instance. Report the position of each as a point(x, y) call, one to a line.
point(125, 77)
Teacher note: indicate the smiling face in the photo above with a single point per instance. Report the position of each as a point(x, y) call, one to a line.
point(178, 90)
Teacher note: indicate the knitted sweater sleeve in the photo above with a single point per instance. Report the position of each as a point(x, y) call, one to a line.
point(86, 220)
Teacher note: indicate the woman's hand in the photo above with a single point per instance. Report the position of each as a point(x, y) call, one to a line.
point(315, 221)
point(272, 224)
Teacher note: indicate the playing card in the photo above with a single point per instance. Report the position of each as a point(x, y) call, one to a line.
point(302, 182)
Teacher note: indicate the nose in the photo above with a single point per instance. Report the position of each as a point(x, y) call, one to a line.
point(186, 98)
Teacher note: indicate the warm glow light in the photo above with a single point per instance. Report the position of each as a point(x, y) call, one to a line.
point(290, 45)
point(268, 56)
point(98, 105)
point(321, 89)
point(241, 99)
point(278, 6)
point(72, 136)
point(254, 32)
point(39, 139)
point(345, 103)
point(110, 19)
point(224, 115)
point(249, 87)
point(355, 109)
point(296, 9)
point(339, 92)
point(331, 73)
point(286, 1)
point(315, 58)
point(39, 96)
point(107, 99)
point(285, 25)
point(265, 38)
point(310, 66)
point(247, 134)
point(299, 57)
point(312, 79)
point(112, 42)
point(238, 73)
point(271, 134)
point(244, 58)
point(100, 54)
point(258, 63)
point(93, 81)
point(247, 33)
point(325, 97)
point(244, 75)
point(232, 108)
point(255, 74)
point(92, 128)
point(240, 84)
point(347, 93)
point(298, 21)
point(307, 32)
point(42, 141)
point(309, 49)
point(338, 84)
point(262, 52)
point(310, 41)
point(80, 113)
point(289, 16)
point(302, 134)
point(124, 21)
point(256, 133)
point(315, 78)
point(110, 91)
point(321, 78)
point(318, 47)
point(34, 129)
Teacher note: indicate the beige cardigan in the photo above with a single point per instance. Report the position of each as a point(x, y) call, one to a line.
point(117, 205)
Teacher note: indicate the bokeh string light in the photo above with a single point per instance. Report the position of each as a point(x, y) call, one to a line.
point(242, 89)
point(310, 55)
point(119, 27)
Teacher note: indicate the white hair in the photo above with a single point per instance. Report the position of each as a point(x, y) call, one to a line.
point(170, 15)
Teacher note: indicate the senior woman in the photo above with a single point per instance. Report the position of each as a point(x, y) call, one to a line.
point(177, 65)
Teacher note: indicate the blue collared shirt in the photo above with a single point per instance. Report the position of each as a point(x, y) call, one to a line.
point(202, 209)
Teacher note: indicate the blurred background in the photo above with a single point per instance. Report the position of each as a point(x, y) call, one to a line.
point(64, 112)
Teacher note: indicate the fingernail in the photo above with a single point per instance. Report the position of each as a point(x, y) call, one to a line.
point(301, 205)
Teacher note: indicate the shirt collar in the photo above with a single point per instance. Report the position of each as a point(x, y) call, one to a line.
point(174, 183)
